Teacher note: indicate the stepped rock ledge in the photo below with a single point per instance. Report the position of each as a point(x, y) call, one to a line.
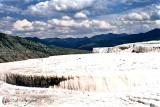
point(104, 79)
point(141, 47)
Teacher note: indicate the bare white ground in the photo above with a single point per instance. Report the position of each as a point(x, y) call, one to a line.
point(139, 47)
point(104, 80)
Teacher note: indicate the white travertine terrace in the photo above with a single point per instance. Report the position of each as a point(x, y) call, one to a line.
point(139, 47)
point(105, 79)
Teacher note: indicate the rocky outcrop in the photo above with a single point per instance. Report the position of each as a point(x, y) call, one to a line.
point(142, 47)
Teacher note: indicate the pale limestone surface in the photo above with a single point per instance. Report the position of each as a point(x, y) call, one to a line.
point(139, 47)
point(104, 80)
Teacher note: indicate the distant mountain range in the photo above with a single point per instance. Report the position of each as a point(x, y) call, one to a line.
point(103, 40)
point(13, 48)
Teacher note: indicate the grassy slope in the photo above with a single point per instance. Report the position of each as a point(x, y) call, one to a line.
point(17, 48)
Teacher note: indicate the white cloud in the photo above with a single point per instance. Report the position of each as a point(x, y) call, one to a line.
point(66, 17)
point(157, 23)
point(22, 25)
point(62, 27)
point(62, 22)
point(6, 24)
point(137, 16)
point(39, 25)
point(71, 27)
point(137, 20)
point(92, 24)
point(25, 25)
point(80, 15)
point(146, 26)
point(49, 8)
point(63, 30)
point(10, 9)
point(134, 16)
point(7, 32)
point(70, 5)
point(76, 17)
point(7, 18)
point(145, 16)
point(157, 10)
point(153, 11)
point(41, 8)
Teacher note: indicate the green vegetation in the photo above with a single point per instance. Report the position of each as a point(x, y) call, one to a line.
point(13, 48)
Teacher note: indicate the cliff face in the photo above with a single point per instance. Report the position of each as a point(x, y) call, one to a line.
point(141, 47)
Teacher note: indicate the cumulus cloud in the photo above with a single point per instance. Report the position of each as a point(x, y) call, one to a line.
point(39, 25)
point(157, 23)
point(77, 17)
point(95, 24)
point(51, 7)
point(138, 20)
point(5, 8)
point(25, 25)
point(151, 12)
point(154, 10)
point(6, 24)
point(137, 16)
point(142, 19)
point(66, 17)
point(22, 25)
point(80, 15)
point(63, 22)
point(92, 24)
point(8, 18)
point(65, 26)
point(70, 5)
point(41, 8)
point(134, 16)
point(72, 27)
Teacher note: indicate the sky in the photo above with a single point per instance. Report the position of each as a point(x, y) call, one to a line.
point(77, 18)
